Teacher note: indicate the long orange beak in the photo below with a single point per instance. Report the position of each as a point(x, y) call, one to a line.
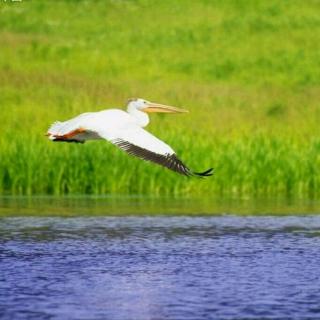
point(156, 107)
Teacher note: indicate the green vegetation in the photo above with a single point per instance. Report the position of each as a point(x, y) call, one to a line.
point(248, 71)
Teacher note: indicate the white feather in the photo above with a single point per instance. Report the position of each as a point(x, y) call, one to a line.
point(143, 139)
point(124, 129)
point(112, 125)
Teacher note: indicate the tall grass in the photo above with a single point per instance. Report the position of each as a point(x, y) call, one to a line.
point(247, 71)
point(257, 166)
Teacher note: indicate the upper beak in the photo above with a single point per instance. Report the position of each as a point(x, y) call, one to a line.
point(156, 107)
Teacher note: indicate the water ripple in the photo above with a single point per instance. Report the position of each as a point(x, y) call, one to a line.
point(160, 268)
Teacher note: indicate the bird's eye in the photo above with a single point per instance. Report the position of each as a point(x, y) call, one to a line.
point(144, 102)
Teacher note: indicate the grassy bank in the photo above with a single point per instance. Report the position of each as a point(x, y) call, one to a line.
point(247, 71)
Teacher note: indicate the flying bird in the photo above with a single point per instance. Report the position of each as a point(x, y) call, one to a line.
point(125, 130)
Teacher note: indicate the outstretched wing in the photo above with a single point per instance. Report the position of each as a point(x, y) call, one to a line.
point(140, 143)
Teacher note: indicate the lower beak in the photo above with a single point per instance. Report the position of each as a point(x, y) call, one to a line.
point(155, 107)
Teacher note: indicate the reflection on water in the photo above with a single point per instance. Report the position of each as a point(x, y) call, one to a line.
point(229, 267)
point(102, 206)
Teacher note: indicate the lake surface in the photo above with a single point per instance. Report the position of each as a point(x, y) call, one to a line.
point(161, 267)
point(146, 206)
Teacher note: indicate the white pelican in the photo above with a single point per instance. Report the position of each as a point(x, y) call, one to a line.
point(124, 129)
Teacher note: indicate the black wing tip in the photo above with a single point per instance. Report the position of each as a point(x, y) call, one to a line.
point(65, 140)
point(203, 174)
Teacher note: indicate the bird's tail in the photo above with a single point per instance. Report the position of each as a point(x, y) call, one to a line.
point(54, 130)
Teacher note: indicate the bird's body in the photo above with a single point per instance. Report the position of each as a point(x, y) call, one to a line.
point(125, 130)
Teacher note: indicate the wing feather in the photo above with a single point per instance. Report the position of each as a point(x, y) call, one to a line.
point(169, 161)
point(140, 143)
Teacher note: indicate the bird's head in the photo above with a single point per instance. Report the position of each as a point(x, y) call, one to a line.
point(147, 106)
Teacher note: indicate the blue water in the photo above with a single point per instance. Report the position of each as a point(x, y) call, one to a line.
point(160, 268)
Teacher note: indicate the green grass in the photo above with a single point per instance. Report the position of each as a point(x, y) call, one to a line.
point(248, 71)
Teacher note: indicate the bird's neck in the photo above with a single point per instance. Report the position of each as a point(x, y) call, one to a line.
point(140, 117)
